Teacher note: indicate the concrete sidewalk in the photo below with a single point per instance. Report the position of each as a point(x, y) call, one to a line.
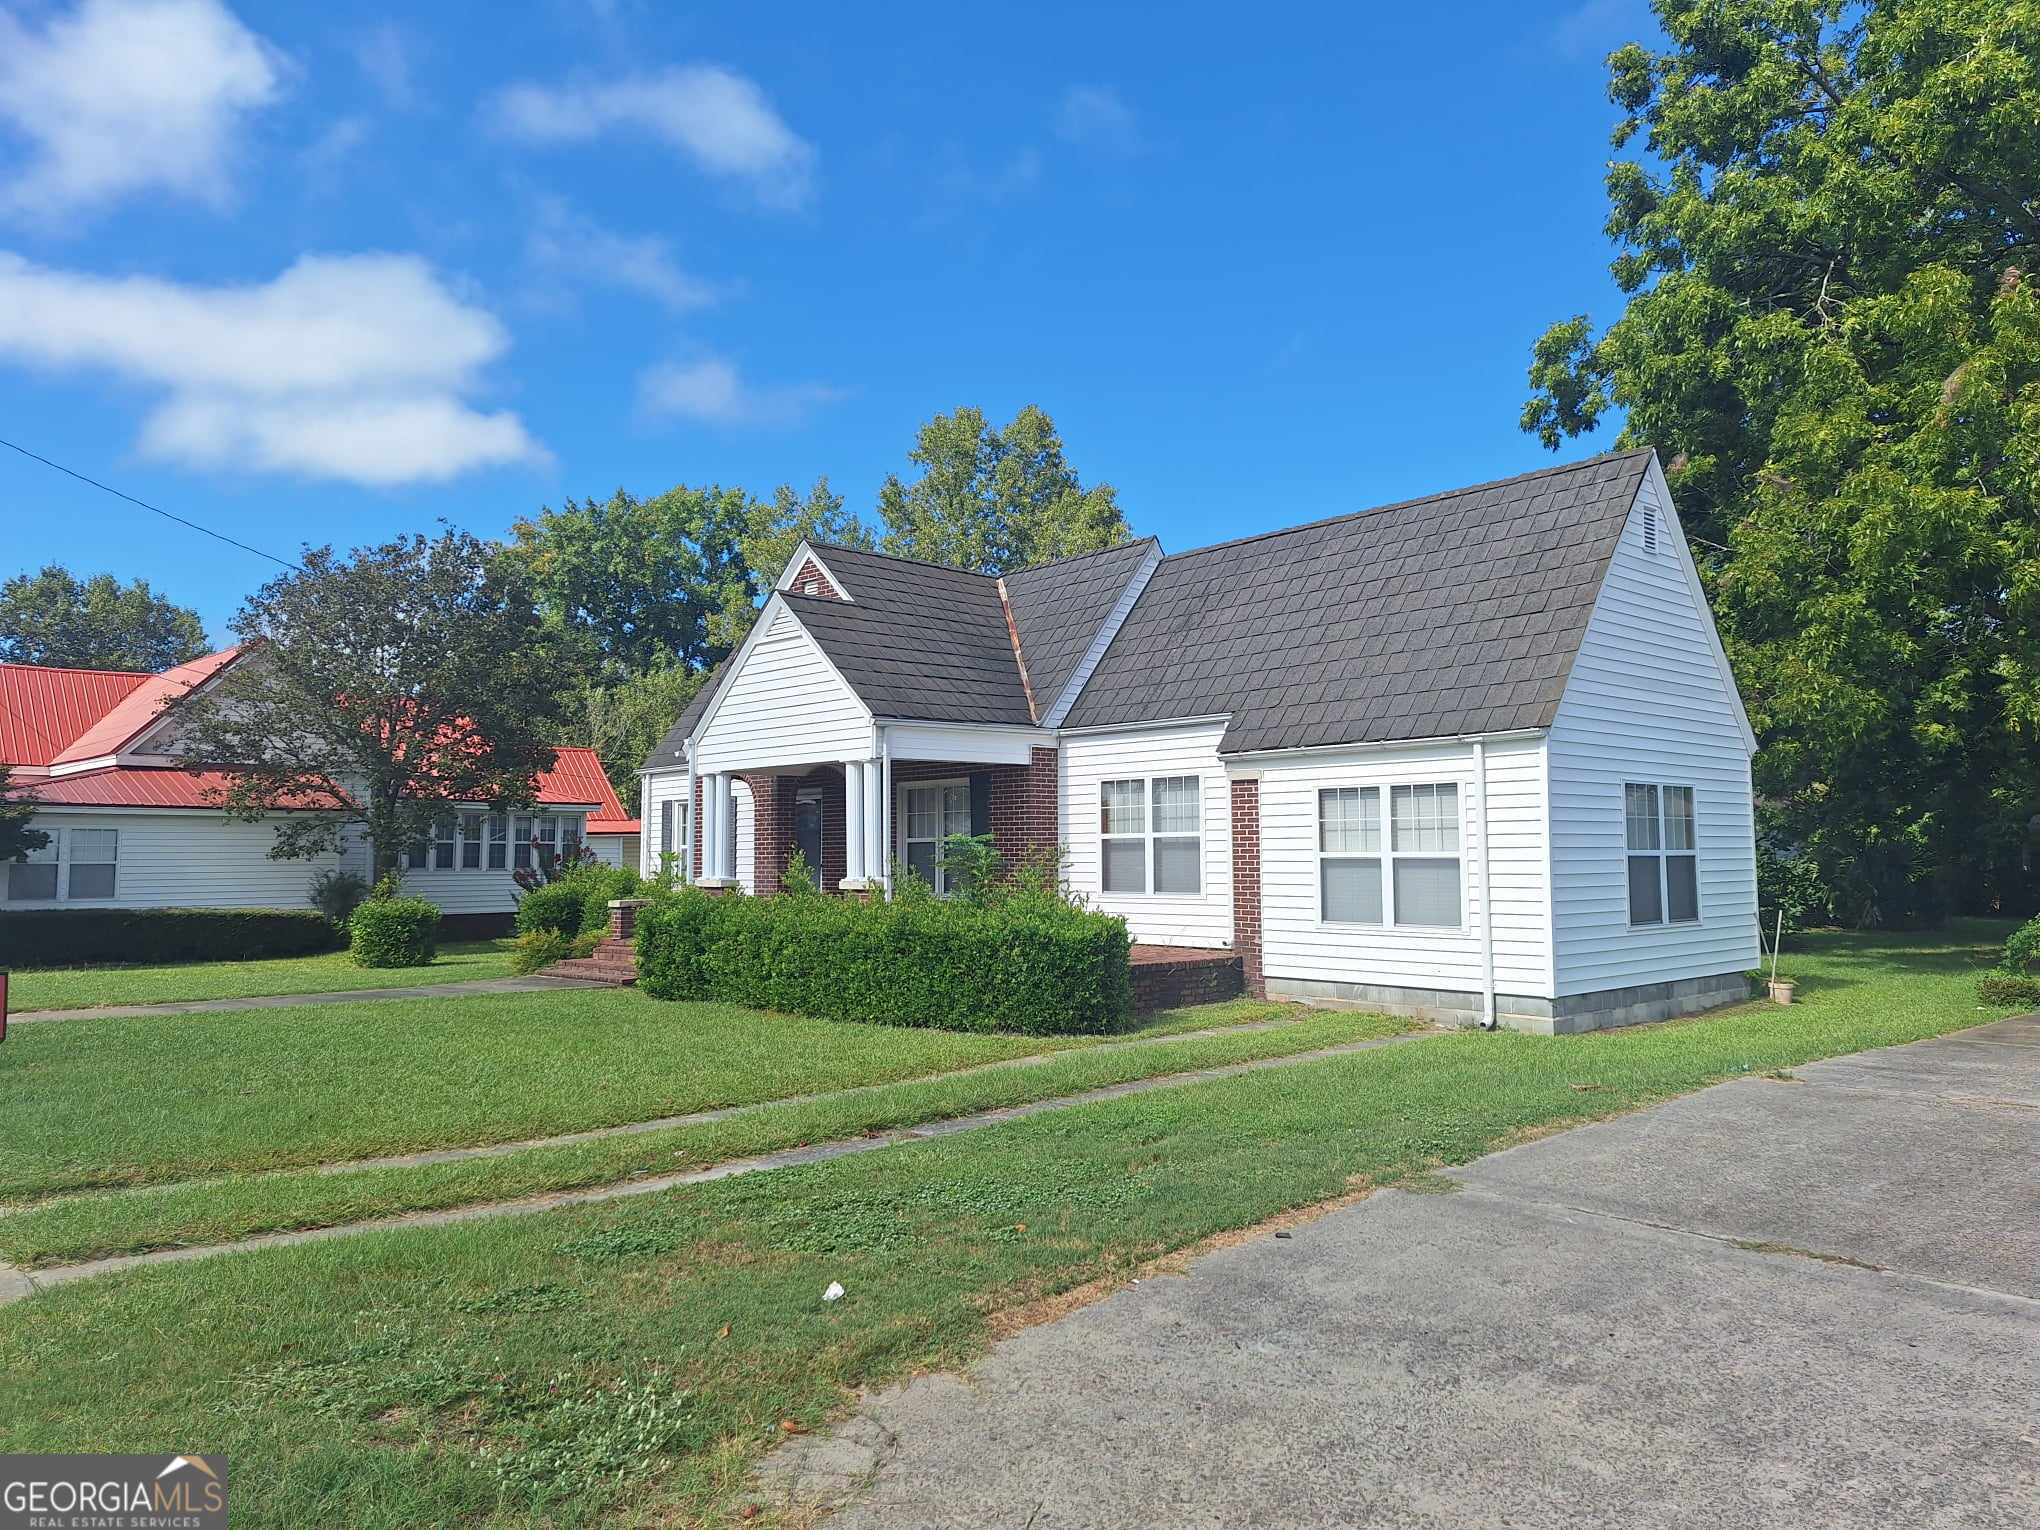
point(1805, 1302)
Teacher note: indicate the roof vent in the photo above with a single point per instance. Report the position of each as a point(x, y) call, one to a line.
point(1650, 529)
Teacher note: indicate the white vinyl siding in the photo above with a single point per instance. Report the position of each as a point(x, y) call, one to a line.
point(783, 706)
point(664, 805)
point(1304, 832)
point(1646, 703)
point(1087, 762)
point(192, 859)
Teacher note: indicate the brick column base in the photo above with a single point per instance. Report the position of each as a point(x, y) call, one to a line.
point(1246, 884)
point(623, 914)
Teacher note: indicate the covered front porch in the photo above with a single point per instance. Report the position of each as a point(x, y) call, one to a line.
point(857, 823)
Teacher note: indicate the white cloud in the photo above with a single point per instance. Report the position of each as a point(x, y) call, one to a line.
point(383, 53)
point(567, 246)
point(712, 391)
point(324, 155)
point(120, 95)
point(1094, 116)
point(718, 119)
point(355, 367)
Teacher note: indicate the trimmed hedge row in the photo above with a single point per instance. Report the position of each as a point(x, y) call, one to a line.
point(75, 937)
point(577, 904)
point(1033, 964)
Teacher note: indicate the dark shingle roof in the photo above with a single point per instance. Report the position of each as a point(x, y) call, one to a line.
point(1456, 613)
point(1059, 607)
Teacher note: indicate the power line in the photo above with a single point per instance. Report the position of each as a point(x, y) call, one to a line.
point(152, 509)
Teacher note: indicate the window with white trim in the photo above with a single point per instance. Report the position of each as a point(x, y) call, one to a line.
point(443, 845)
point(76, 866)
point(35, 879)
point(94, 856)
point(1663, 845)
point(471, 842)
point(499, 841)
point(1151, 835)
point(931, 814)
point(1413, 878)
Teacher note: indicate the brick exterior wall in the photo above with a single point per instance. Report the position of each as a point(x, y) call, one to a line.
point(1246, 884)
point(771, 829)
point(812, 581)
point(1024, 799)
point(1161, 984)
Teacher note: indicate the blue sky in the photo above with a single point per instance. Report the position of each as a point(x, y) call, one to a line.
point(326, 274)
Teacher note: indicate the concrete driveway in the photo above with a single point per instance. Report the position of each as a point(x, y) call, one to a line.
point(1766, 1304)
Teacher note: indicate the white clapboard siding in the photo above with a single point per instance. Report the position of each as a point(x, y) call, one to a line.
point(1647, 702)
point(617, 850)
point(1297, 943)
point(187, 859)
point(785, 705)
point(1090, 759)
point(667, 786)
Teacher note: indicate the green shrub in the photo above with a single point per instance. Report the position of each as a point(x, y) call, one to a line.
point(337, 894)
point(394, 932)
point(2009, 988)
point(1030, 963)
point(555, 907)
point(598, 887)
point(538, 948)
point(2022, 947)
point(80, 937)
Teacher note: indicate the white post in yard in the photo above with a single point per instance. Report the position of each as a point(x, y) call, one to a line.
point(853, 821)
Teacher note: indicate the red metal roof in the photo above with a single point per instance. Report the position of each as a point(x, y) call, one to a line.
point(43, 710)
point(577, 776)
point(132, 786)
point(131, 716)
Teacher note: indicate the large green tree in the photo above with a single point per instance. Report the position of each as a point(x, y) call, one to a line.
point(638, 582)
point(386, 687)
point(993, 499)
point(1832, 334)
point(622, 722)
point(773, 528)
point(53, 617)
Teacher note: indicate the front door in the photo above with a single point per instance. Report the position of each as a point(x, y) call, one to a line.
point(807, 833)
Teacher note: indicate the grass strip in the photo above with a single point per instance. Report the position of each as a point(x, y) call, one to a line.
point(193, 982)
point(219, 1211)
point(104, 1104)
point(626, 1363)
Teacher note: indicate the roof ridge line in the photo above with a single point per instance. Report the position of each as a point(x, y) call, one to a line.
point(79, 669)
point(1095, 553)
point(947, 568)
point(1406, 504)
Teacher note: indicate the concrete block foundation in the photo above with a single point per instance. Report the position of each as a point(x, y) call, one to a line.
point(1565, 1016)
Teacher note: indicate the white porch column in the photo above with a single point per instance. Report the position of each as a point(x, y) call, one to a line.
point(853, 821)
point(715, 794)
point(729, 826)
point(876, 854)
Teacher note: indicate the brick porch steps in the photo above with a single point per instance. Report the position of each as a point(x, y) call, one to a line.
point(613, 964)
point(1168, 977)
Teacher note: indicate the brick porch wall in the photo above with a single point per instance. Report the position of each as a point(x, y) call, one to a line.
point(771, 829)
point(1025, 801)
point(1246, 884)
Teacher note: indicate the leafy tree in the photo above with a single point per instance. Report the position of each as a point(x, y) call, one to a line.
point(52, 618)
point(623, 722)
point(386, 686)
point(17, 839)
point(996, 499)
point(638, 582)
point(1832, 333)
point(772, 530)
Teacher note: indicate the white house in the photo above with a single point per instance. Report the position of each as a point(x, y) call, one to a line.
point(1477, 756)
point(131, 826)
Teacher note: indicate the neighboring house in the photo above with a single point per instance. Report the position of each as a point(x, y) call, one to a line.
point(1478, 755)
point(130, 825)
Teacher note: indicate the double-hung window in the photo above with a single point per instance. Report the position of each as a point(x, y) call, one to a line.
point(35, 879)
point(499, 841)
point(1412, 879)
point(76, 866)
point(1663, 846)
point(442, 843)
point(471, 842)
point(1151, 835)
point(520, 856)
point(933, 813)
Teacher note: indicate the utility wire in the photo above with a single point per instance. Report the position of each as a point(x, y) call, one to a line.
point(152, 509)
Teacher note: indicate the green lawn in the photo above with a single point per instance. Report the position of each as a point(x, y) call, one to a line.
point(80, 1227)
point(94, 1104)
point(178, 983)
point(625, 1364)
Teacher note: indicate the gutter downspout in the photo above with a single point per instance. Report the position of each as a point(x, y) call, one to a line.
point(1487, 899)
point(885, 809)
